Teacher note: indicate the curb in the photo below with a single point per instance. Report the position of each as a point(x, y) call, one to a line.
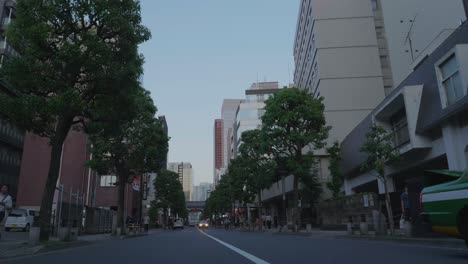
point(63, 245)
point(288, 233)
point(403, 240)
point(133, 236)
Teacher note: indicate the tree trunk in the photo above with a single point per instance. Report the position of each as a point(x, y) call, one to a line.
point(388, 204)
point(62, 128)
point(259, 193)
point(296, 215)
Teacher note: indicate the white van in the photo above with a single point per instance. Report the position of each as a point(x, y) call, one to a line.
point(20, 219)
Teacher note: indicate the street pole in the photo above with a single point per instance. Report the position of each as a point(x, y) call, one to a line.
point(284, 200)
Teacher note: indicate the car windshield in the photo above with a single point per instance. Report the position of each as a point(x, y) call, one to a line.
point(18, 213)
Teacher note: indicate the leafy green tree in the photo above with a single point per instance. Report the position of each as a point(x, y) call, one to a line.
point(295, 125)
point(220, 200)
point(75, 55)
point(129, 147)
point(258, 166)
point(169, 194)
point(380, 151)
point(337, 177)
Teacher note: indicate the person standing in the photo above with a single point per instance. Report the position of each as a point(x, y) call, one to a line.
point(6, 203)
point(146, 220)
point(405, 204)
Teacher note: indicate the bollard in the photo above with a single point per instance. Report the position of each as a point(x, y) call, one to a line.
point(309, 228)
point(364, 228)
point(407, 228)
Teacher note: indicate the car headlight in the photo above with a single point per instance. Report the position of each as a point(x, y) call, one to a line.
point(206, 225)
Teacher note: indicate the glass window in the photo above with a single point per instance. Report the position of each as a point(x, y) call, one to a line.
point(248, 114)
point(451, 80)
point(375, 5)
point(400, 128)
point(108, 180)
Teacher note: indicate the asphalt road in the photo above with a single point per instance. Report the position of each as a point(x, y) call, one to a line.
point(219, 246)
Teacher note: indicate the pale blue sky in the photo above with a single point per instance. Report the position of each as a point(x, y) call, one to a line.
point(203, 51)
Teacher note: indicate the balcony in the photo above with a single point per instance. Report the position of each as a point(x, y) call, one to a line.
point(7, 49)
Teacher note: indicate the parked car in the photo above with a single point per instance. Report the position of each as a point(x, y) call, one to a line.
point(445, 204)
point(20, 219)
point(203, 224)
point(178, 223)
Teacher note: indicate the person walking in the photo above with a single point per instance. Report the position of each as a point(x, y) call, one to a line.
point(405, 205)
point(6, 203)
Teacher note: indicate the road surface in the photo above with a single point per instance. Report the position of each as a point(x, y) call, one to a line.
point(219, 246)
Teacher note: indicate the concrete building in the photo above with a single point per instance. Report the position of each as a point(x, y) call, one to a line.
point(185, 172)
point(228, 115)
point(353, 53)
point(427, 117)
point(218, 149)
point(250, 111)
point(201, 191)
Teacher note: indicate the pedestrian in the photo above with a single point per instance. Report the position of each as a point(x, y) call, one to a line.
point(405, 205)
point(146, 220)
point(268, 220)
point(6, 203)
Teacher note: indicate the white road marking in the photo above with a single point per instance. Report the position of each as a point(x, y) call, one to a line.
point(246, 255)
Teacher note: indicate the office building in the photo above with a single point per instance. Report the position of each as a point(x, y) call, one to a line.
point(185, 172)
point(250, 111)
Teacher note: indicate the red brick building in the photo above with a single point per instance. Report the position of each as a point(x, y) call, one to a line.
point(75, 177)
point(218, 148)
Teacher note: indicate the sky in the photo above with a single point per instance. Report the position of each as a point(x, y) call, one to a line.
point(204, 51)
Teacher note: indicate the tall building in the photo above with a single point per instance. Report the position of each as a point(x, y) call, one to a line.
point(201, 191)
point(185, 172)
point(218, 149)
point(251, 110)
point(228, 115)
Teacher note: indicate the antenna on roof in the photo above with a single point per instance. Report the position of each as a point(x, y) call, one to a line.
point(409, 37)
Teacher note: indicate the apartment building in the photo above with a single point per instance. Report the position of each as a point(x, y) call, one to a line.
point(185, 172)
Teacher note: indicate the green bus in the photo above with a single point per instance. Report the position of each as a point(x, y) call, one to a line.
point(445, 203)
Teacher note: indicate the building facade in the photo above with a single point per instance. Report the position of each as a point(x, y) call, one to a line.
point(228, 115)
point(201, 191)
point(185, 172)
point(427, 118)
point(11, 137)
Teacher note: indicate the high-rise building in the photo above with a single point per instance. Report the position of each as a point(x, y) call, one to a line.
point(185, 172)
point(228, 115)
point(251, 110)
point(218, 149)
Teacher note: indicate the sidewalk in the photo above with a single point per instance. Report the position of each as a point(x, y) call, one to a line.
point(16, 248)
point(439, 242)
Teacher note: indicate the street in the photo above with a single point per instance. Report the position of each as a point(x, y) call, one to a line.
point(219, 246)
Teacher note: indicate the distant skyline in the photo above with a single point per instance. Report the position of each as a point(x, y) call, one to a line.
point(202, 52)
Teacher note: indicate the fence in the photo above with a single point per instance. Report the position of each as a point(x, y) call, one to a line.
point(98, 220)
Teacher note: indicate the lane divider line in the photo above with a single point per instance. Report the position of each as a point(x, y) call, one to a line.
point(246, 255)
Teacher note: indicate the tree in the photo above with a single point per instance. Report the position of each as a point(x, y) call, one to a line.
point(129, 146)
point(295, 125)
point(337, 178)
point(220, 200)
point(169, 194)
point(380, 151)
point(258, 166)
point(75, 55)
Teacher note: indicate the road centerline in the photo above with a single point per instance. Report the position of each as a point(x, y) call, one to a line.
point(239, 251)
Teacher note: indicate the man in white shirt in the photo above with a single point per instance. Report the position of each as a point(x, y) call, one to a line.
point(6, 203)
